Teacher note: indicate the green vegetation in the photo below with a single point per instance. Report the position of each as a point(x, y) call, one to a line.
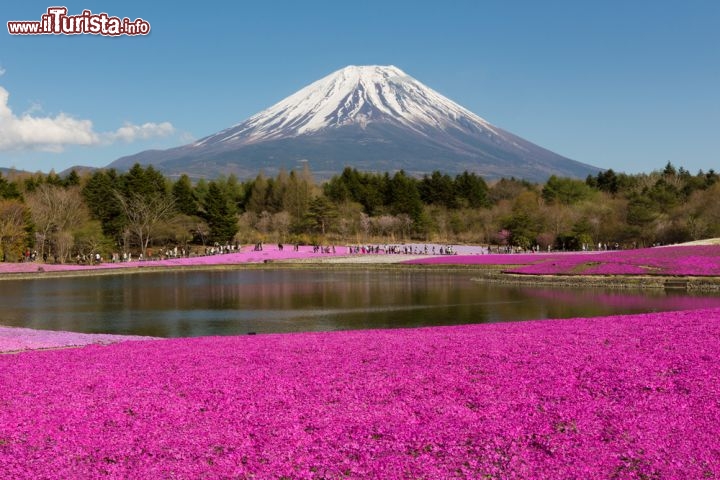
point(110, 212)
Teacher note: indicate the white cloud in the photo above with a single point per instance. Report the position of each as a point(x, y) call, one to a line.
point(2, 71)
point(41, 133)
point(47, 133)
point(130, 133)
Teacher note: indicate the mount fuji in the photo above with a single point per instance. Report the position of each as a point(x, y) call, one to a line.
point(373, 118)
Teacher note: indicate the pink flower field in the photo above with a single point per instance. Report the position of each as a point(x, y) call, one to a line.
point(615, 397)
point(678, 260)
point(246, 255)
point(13, 339)
point(489, 259)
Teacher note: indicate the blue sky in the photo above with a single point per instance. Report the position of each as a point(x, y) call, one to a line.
point(628, 85)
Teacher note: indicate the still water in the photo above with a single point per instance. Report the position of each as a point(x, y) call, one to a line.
point(186, 304)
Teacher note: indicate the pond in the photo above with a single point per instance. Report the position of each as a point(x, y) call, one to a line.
point(200, 303)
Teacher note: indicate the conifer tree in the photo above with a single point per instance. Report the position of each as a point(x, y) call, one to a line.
point(185, 201)
point(221, 214)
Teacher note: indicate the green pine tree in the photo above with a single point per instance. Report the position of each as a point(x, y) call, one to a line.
point(185, 201)
point(220, 214)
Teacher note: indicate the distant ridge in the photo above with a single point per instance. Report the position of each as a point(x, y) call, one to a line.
point(8, 171)
point(79, 169)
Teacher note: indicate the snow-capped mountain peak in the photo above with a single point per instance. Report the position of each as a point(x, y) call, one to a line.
point(374, 118)
point(354, 95)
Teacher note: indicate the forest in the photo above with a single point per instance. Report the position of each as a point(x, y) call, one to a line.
point(105, 212)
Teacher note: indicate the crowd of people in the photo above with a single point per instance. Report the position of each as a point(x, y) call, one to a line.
point(162, 254)
point(402, 249)
point(218, 249)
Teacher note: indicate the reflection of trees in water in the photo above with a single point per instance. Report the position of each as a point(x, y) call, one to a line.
point(194, 303)
point(316, 289)
point(595, 302)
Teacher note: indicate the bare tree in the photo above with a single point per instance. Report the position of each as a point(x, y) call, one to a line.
point(13, 220)
point(180, 229)
point(42, 217)
point(246, 230)
point(365, 224)
point(64, 242)
point(126, 236)
point(56, 210)
point(559, 218)
point(405, 223)
point(281, 222)
point(144, 213)
point(90, 240)
point(349, 219)
point(264, 223)
point(386, 224)
point(202, 230)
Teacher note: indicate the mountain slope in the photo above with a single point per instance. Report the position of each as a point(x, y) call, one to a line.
point(372, 118)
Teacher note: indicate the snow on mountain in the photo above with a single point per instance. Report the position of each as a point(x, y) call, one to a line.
point(374, 118)
point(354, 95)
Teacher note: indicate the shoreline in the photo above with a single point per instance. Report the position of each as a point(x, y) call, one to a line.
point(486, 273)
point(641, 282)
point(481, 273)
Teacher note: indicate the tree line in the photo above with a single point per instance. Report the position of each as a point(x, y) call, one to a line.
point(61, 218)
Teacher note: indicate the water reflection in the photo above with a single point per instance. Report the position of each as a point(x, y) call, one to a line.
point(182, 304)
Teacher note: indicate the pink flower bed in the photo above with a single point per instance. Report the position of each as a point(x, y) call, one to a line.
point(488, 259)
point(684, 260)
point(14, 339)
point(615, 397)
point(611, 268)
point(681, 260)
point(247, 255)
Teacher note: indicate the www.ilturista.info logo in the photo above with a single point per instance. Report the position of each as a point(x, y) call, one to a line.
point(57, 22)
